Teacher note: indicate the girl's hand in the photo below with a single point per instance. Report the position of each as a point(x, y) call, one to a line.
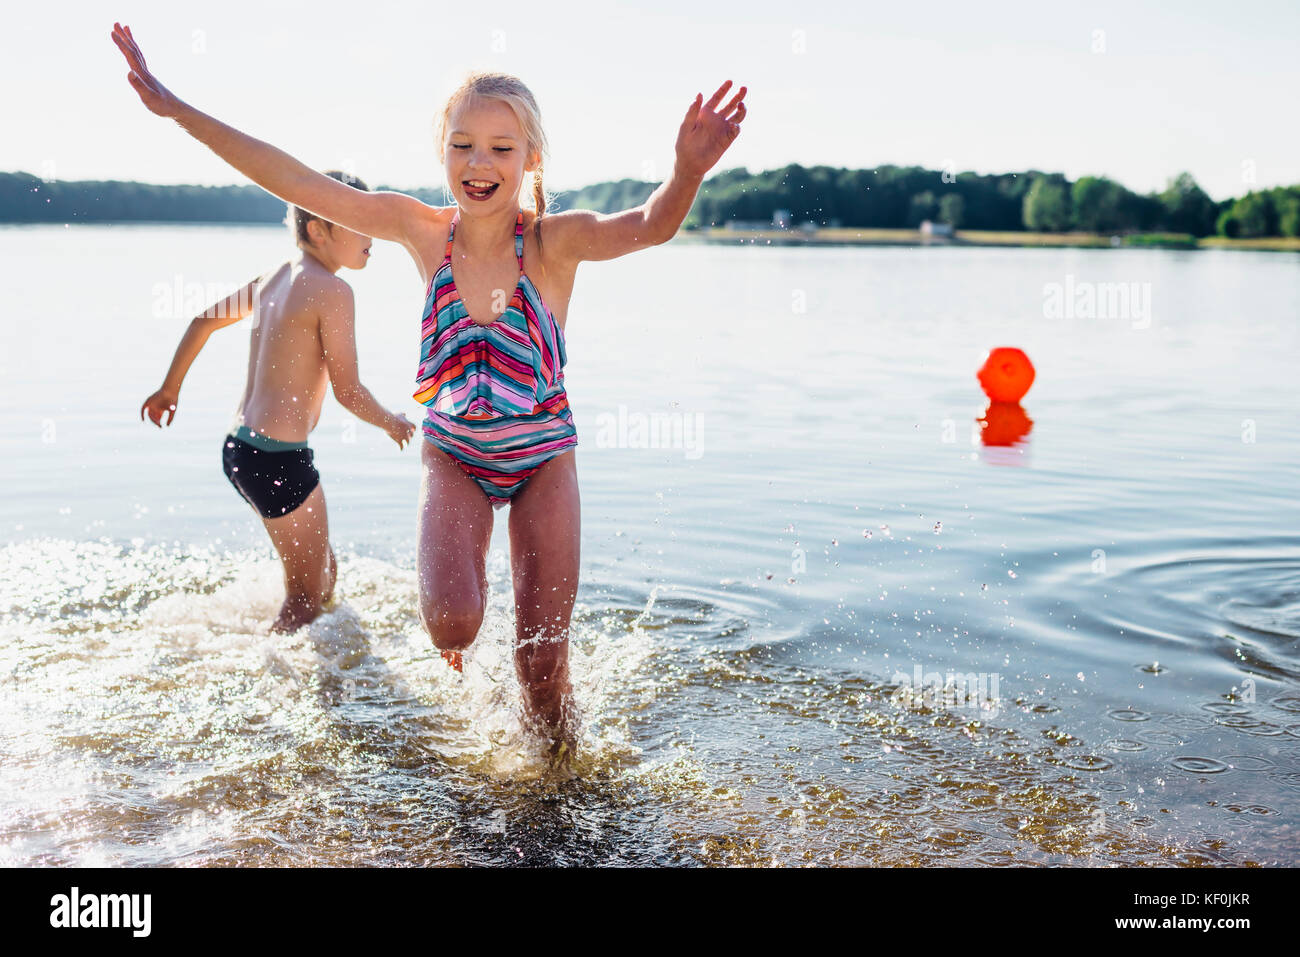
point(706, 133)
point(153, 94)
point(400, 430)
point(164, 400)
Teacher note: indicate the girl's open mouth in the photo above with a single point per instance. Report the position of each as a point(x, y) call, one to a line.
point(479, 191)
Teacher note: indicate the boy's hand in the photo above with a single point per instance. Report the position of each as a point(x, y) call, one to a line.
point(161, 401)
point(400, 430)
point(706, 133)
point(153, 94)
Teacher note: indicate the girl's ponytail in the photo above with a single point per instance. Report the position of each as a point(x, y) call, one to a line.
point(539, 201)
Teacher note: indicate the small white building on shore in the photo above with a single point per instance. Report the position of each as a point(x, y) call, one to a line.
point(780, 220)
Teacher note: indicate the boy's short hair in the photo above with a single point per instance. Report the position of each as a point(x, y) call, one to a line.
point(298, 217)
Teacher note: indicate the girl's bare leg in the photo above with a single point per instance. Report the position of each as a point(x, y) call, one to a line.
point(301, 539)
point(544, 555)
point(455, 529)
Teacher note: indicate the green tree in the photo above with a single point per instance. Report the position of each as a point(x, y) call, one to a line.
point(1227, 225)
point(1187, 209)
point(951, 209)
point(923, 207)
point(1047, 206)
point(1097, 204)
point(1255, 215)
point(1286, 200)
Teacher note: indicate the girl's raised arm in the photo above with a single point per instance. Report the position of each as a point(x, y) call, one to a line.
point(382, 215)
point(705, 134)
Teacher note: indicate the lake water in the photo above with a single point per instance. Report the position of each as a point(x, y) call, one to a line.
point(767, 597)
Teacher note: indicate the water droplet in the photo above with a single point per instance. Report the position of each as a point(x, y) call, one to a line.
point(1129, 714)
point(1198, 765)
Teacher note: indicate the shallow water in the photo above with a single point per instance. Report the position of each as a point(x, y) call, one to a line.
point(1124, 583)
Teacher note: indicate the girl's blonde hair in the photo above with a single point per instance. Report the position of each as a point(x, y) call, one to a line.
point(511, 91)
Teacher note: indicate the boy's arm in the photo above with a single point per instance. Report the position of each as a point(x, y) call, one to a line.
point(339, 342)
point(220, 314)
point(383, 215)
point(705, 134)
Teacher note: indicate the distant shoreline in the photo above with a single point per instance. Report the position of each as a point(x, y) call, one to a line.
point(852, 236)
point(904, 205)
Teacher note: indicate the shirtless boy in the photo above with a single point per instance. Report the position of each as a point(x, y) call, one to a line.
point(303, 335)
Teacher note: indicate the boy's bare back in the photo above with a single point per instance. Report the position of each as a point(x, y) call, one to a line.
point(287, 371)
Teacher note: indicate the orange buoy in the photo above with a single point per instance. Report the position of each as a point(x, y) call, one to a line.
point(1006, 374)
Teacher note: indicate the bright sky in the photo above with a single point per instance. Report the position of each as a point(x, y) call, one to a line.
point(1133, 90)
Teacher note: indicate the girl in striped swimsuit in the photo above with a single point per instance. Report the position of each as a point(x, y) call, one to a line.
point(495, 390)
point(491, 361)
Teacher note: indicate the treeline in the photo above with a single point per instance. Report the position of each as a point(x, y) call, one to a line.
point(1097, 205)
point(888, 197)
point(901, 197)
point(1271, 212)
point(28, 199)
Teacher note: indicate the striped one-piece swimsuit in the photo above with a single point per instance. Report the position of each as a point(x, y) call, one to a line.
point(494, 391)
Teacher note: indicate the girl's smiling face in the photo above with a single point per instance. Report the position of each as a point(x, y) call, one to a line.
point(485, 146)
